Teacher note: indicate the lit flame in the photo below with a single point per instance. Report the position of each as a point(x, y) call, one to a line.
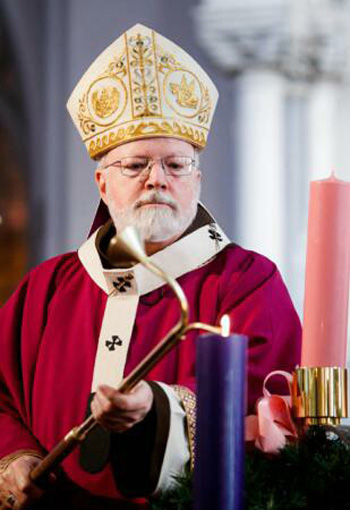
point(225, 325)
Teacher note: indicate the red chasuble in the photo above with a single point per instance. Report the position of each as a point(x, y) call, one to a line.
point(51, 326)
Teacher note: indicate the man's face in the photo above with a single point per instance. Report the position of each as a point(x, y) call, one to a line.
point(160, 205)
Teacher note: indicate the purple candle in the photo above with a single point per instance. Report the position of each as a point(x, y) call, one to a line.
point(221, 408)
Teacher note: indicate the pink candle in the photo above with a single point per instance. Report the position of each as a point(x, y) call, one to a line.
point(327, 275)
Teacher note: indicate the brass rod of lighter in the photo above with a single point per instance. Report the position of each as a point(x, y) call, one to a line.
point(129, 245)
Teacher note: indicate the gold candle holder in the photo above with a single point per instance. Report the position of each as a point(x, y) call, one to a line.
point(320, 395)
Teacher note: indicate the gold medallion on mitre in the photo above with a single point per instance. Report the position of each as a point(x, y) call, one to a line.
point(142, 85)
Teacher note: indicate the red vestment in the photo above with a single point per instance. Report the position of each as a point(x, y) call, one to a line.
point(50, 329)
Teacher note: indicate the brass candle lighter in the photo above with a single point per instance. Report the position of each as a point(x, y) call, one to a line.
point(127, 247)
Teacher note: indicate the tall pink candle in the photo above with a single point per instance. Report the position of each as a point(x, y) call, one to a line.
point(327, 275)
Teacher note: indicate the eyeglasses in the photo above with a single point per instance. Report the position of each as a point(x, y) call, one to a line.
point(172, 165)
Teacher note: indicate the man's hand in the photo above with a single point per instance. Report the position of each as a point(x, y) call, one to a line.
point(118, 412)
point(17, 491)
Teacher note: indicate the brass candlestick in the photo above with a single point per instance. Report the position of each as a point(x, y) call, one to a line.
point(320, 395)
point(127, 247)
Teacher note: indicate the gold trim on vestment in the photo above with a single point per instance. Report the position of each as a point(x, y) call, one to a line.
point(188, 400)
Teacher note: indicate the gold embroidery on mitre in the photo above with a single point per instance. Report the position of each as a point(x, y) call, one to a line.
point(105, 101)
point(145, 129)
point(184, 93)
point(86, 123)
point(142, 85)
point(101, 102)
point(143, 76)
point(174, 73)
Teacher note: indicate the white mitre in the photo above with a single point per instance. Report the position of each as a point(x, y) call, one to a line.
point(142, 85)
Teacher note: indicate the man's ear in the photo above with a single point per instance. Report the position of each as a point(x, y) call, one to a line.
point(101, 182)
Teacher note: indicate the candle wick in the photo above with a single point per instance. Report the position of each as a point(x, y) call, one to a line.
point(225, 326)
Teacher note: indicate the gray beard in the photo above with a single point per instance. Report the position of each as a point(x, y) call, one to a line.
point(154, 224)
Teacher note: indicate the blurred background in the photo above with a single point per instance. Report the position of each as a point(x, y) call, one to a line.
point(283, 118)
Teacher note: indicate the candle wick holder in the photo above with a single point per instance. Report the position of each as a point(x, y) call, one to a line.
point(320, 395)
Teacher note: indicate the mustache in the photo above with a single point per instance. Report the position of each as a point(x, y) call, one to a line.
point(155, 197)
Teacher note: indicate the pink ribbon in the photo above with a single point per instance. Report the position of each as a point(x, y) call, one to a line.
point(273, 426)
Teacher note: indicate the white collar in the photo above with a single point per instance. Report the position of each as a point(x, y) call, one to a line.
point(188, 253)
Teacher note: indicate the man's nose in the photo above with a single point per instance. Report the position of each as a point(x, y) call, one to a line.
point(156, 177)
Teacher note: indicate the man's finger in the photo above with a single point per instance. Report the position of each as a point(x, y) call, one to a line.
point(112, 410)
point(125, 402)
point(107, 396)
